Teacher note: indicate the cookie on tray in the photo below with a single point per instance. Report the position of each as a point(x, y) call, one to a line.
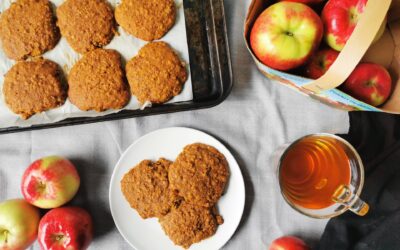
point(156, 74)
point(146, 188)
point(199, 174)
point(97, 82)
point(34, 86)
point(28, 29)
point(147, 20)
point(189, 224)
point(86, 24)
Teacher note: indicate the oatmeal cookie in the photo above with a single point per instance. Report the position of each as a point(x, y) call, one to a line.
point(146, 188)
point(156, 74)
point(199, 174)
point(34, 87)
point(28, 28)
point(189, 224)
point(97, 82)
point(147, 20)
point(86, 24)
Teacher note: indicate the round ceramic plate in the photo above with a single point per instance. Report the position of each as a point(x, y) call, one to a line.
point(168, 143)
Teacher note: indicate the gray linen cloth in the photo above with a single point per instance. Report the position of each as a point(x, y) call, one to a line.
point(257, 118)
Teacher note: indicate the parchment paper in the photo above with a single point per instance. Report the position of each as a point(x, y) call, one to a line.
point(66, 57)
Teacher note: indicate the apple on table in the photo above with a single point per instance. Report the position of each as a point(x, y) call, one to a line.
point(50, 182)
point(285, 35)
point(288, 243)
point(65, 228)
point(19, 222)
point(370, 83)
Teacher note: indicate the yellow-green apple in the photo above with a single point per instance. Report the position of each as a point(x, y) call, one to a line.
point(65, 228)
point(320, 63)
point(370, 83)
point(288, 243)
point(340, 18)
point(19, 222)
point(50, 182)
point(285, 35)
point(305, 1)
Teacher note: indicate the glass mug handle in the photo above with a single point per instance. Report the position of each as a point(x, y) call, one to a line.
point(344, 196)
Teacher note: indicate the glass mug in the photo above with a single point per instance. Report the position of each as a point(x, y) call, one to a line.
point(321, 176)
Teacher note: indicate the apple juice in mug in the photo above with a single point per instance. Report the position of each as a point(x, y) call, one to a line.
point(321, 176)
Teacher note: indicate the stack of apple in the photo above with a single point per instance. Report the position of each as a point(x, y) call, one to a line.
point(48, 183)
point(290, 35)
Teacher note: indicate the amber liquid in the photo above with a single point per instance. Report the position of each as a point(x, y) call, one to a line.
point(312, 170)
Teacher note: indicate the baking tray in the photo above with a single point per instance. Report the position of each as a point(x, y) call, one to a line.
point(210, 66)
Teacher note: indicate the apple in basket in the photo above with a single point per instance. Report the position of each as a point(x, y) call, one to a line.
point(321, 62)
point(285, 35)
point(65, 228)
point(340, 18)
point(288, 243)
point(50, 182)
point(370, 83)
point(306, 1)
point(19, 222)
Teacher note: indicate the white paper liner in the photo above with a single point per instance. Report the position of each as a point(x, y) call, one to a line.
point(128, 46)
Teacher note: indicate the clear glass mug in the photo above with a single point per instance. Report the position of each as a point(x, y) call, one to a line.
point(346, 196)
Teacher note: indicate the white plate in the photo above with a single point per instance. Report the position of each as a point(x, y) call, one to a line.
point(168, 143)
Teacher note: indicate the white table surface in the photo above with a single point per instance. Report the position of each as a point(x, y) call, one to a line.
point(257, 118)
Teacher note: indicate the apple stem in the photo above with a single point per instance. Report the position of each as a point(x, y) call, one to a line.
point(4, 235)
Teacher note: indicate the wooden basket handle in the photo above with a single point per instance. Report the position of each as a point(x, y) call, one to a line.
point(355, 48)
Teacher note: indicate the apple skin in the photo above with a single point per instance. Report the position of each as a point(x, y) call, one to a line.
point(285, 35)
point(305, 1)
point(19, 222)
point(288, 243)
point(65, 228)
point(321, 62)
point(340, 18)
point(370, 83)
point(50, 182)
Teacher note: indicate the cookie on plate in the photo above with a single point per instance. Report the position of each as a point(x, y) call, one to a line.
point(86, 24)
point(97, 82)
point(148, 20)
point(189, 224)
point(34, 86)
point(199, 174)
point(28, 28)
point(156, 74)
point(146, 188)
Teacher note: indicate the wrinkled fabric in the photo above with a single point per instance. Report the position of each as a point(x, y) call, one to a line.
point(258, 117)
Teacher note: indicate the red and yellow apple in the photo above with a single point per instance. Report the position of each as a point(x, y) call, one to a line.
point(65, 228)
point(285, 35)
point(340, 18)
point(321, 62)
point(19, 222)
point(288, 243)
point(50, 182)
point(370, 83)
point(305, 1)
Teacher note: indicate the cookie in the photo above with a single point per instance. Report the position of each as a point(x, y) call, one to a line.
point(97, 82)
point(146, 188)
point(199, 174)
point(86, 24)
point(28, 29)
point(147, 20)
point(156, 74)
point(34, 87)
point(189, 224)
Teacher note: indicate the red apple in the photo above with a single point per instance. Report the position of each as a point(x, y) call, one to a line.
point(370, 83)
point(306, 1)
point(50, 182)
point(19, 222)
point(288, 243)
point(340, 18)
point(285, 35)
point(65, 228)
point(321, 62)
